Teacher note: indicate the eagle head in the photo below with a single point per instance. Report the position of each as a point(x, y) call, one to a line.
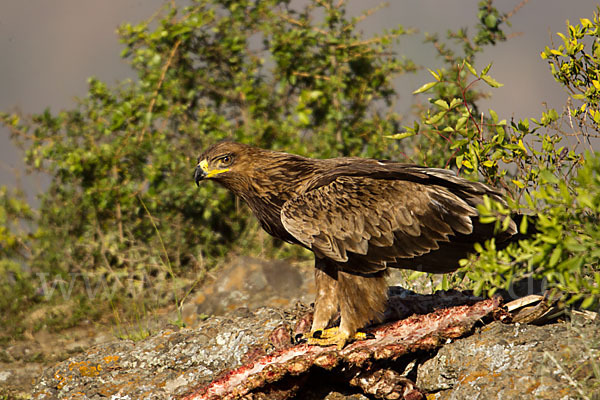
point(222, 160)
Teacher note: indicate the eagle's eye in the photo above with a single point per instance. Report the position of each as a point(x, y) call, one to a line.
point(225, 160)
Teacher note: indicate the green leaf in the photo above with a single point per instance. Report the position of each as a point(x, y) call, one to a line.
point(303, 118)
point(436, 76)
point(523, 225)
point(315, 94)
point(506, 223)
point(549, 239)
point(487, 219)
point(491, 81)
point(519, 184)
point(442, 104)
point(425, 87)
point(401, 135)
point(548, 177)
point(436, 118)
point(586, 23)
point(588, 302)
point(555, 257)
point(491, 21)
point(522, 146)
point(459, 160)
point(445, 285)
point(415, 275)
point(455, 102)
point(470, 68)
point(486, 69)
point(460, 123)
point(494, 115)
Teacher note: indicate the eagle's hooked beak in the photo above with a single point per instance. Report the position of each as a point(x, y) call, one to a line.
point(203, 172)
point(200, 172)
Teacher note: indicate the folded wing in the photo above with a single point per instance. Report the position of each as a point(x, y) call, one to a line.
point(367, 224)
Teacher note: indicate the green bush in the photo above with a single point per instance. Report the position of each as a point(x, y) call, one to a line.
point(566, 250)
point(539, 163)
point(15, 240)
point(559, 187)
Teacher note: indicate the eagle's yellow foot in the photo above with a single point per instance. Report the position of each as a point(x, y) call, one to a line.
point(333, 336)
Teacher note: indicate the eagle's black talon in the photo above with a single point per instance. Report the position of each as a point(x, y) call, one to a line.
point(368, 335)
point(300, 338)
point(317, 334)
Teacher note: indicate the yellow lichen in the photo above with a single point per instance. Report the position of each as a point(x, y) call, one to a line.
point(62, 380)
point(85, 369)
point(110, 359)
point(473, 376)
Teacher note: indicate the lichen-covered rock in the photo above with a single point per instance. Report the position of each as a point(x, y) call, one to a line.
point(509, 361)
point(164, 365)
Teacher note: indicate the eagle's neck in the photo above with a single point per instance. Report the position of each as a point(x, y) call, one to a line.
point(279, 181)
point(273, 179)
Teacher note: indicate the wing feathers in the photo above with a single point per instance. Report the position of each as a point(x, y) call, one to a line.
point(378, 220)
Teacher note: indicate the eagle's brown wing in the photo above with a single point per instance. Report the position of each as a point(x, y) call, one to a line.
point(376, 221)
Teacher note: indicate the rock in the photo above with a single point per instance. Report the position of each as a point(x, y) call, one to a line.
point(498, 361)
point(162, 366)
point(252, 283)
point(23, 362)
point(506, 361)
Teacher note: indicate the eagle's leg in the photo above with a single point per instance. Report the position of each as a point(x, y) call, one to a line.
point(361, 300)
point(326, 300)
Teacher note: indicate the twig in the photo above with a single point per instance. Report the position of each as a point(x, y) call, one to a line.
point(119, 215)
point(366, 14)
point(160, 83)
point(307, 75)
point(515, 10)
point(324, 4)
point(300, 24)
point(366, 42)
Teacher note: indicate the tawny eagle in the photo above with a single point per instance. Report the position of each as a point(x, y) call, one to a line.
point(359, 217)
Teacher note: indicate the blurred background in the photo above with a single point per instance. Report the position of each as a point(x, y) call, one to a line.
point(48, 49)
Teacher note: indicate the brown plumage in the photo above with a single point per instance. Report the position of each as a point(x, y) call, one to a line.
point(359, 217)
